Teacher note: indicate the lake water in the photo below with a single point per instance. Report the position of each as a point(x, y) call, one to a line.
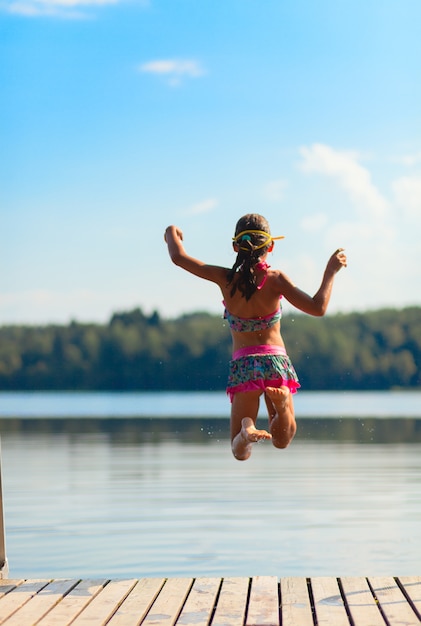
point(131, 485)
point(212, 404)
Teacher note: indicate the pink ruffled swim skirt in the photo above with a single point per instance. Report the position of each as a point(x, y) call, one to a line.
point(254, 368)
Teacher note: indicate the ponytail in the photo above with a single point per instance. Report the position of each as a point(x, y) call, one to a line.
point(252, 234)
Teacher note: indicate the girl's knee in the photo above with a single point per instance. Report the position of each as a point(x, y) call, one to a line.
point(241, 456)
point(282, 440)
point(282, 444)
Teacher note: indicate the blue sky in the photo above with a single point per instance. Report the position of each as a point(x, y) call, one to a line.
point(120, 117)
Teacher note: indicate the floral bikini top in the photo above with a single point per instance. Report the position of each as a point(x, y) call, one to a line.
point(250, 324)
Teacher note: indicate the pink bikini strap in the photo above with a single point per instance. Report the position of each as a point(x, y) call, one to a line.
point(262, 265)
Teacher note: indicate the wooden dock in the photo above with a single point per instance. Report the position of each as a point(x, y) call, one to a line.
point(257, 601)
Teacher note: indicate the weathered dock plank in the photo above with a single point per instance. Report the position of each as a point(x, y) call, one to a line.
point(73, 604)
point(328, 602)
point(361, 603)
point(263, 609)
point(19, 596)
point(235, 601)
point(393, 602)
point(200, 603)
point(105, 603)
point(167, 607)
point(295, 602)
point(137, 604)
point(7, 585)
point(41, 603)
point(412, 589)
point(232, 602)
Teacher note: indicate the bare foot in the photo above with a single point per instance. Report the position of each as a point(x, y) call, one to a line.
point(249, 432)
point(279, 397)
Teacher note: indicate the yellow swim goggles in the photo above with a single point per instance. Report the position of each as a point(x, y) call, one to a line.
point(245, 234)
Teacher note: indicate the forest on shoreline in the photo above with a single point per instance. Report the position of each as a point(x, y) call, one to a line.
point(375, 350)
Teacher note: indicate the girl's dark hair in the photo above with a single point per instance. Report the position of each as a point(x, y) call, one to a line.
point(249, 253)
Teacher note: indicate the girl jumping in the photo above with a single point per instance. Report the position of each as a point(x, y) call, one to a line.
point(251, 293)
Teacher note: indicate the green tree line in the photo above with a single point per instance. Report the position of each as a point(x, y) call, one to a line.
point(372, 350)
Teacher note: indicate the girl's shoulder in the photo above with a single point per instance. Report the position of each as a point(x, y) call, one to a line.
point(276, 280)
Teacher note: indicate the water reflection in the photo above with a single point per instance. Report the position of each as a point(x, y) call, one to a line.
point(136, 497)
point(205, 430)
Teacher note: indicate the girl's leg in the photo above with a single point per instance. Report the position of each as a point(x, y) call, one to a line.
point(282, 423)
point(244, 409)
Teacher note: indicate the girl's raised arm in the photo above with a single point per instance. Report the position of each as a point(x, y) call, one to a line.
point(317, 304)
point(174, 239)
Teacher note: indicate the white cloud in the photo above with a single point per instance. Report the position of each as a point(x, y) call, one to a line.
point(351, 176)
point(274, 190)
point(371, 232)
point(410, 159)
point(174, 69)
point(407, 190)
point(314, 223)
point(205, 206)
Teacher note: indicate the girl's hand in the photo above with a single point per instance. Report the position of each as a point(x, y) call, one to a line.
point(337, 261)
point(175, 232)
